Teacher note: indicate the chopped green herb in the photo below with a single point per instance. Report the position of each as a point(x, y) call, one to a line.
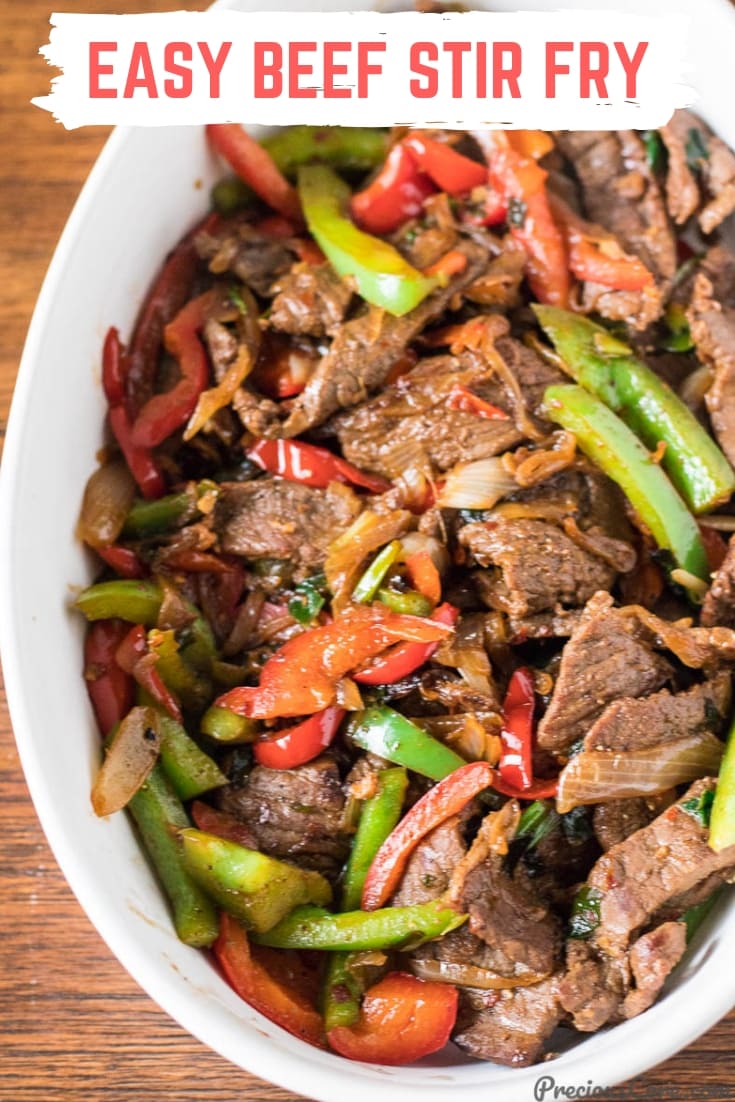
point(695, 916)
point(537, 820)
point(696, 150)
point(237, 300)
point(680, 339)
point(700, 807)
point(656, 154)
point(516, 213)
point(308, 599)
point(585, 917)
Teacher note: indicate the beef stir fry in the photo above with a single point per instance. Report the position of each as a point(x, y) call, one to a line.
point(413, 639)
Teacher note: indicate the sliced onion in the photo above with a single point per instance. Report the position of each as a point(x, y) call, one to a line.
point(695, 386)
point(415, 542)
point(474, 735)
point(469, 975)
point(465, 652)
point(108, 496)
point(478, 485)
point(347, 553)
point(696, 586)
point(130, 758)
point(721, 521)
point(593, 776)
point(349, 696)
point(529, 466)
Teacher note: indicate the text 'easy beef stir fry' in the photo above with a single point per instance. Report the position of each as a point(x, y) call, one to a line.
point(413, 645)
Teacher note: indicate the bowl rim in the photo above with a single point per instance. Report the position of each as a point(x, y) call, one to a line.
point(321, 1079)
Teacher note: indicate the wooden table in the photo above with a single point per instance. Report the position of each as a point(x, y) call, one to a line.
point(73, 1025)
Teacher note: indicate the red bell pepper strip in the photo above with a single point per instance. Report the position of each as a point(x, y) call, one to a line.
point(299, 744)
point(312, 466)
point(516, 760)
point(164, 413)
point(460, 398)
point(134, 657)
point(402, 1018)
point(451, 264)
point(166, 296)
point(281, 1004)
point(396, 194)
point(302, 676)
point(445, 799)
point(539, 790)
point(523, 184)
point(424, 576)
point(141, 463)
point(402, 660)
point(596, 256)
point(123, 561)
point(110, 688)
point(143, 466)
point(196, 562)
point(256, 167)
point(450, 171)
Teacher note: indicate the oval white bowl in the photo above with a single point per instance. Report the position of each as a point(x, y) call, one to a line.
point(146, 189)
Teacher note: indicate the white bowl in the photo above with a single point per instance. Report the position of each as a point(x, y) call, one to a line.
point(146, 189)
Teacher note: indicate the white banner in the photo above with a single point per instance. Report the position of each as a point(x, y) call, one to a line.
point(548, 70)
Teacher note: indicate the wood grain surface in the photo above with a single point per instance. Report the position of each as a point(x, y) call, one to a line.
point(73, 1025)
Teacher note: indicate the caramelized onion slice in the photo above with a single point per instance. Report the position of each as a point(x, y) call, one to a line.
point(593, 776)
point(130, 758)
point(469, 975)
point(477, 485)
point(108, 496)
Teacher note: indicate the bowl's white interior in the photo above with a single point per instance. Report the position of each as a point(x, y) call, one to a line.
point(147, 188)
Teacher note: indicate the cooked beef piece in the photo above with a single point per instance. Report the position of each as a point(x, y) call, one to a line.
point(294, 813)
point(698, 160)
point(713, 332)
point(583, 492)
point(412, 415)
point(607, 657)
point(719, 601)
point(508, 1027)
point(661, 717)
point(559, 624)
point(561, 860)
point(367, 347)
point(500, 283)
point(537, 567)
point(237, 247)
point(620, 192)
point(593, 986)
point(616, 820)
point(277, 519)
point(431, 865)
point(652, 958)
point(665, 859)
point(310, 300)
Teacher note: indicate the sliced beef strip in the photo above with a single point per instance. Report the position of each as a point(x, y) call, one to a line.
point(537, 567)
point(508, 1027)
point(412, 415)
point(665, 859)
point(367, 347)
point(593, 986)
point(607, 657)
point(651, 959)
point(273, 518)
point(719, 602)
point(712, 327)
point(310, 300)
point(620, 192)
point(616, 820)
point(294, 814)
point(636, 724)
point(713, 174)
point(430, 867)
point(237, 247)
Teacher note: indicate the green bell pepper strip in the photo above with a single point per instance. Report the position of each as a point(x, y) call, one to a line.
point(136, 602)
point(369, 583)
point(154, 518)
point(189, 769)
point(611, 445)
point(140, 603)
point(388, 928)
point(225, 726)
point(158, 814)
point(387, 733)
point(381, 275)
point(257, 889)
point(343, 988)
point(351, 148)
point(722, 817)
point(605, 366)
point(695, 916)
point(410, 603)
point(190, 687)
